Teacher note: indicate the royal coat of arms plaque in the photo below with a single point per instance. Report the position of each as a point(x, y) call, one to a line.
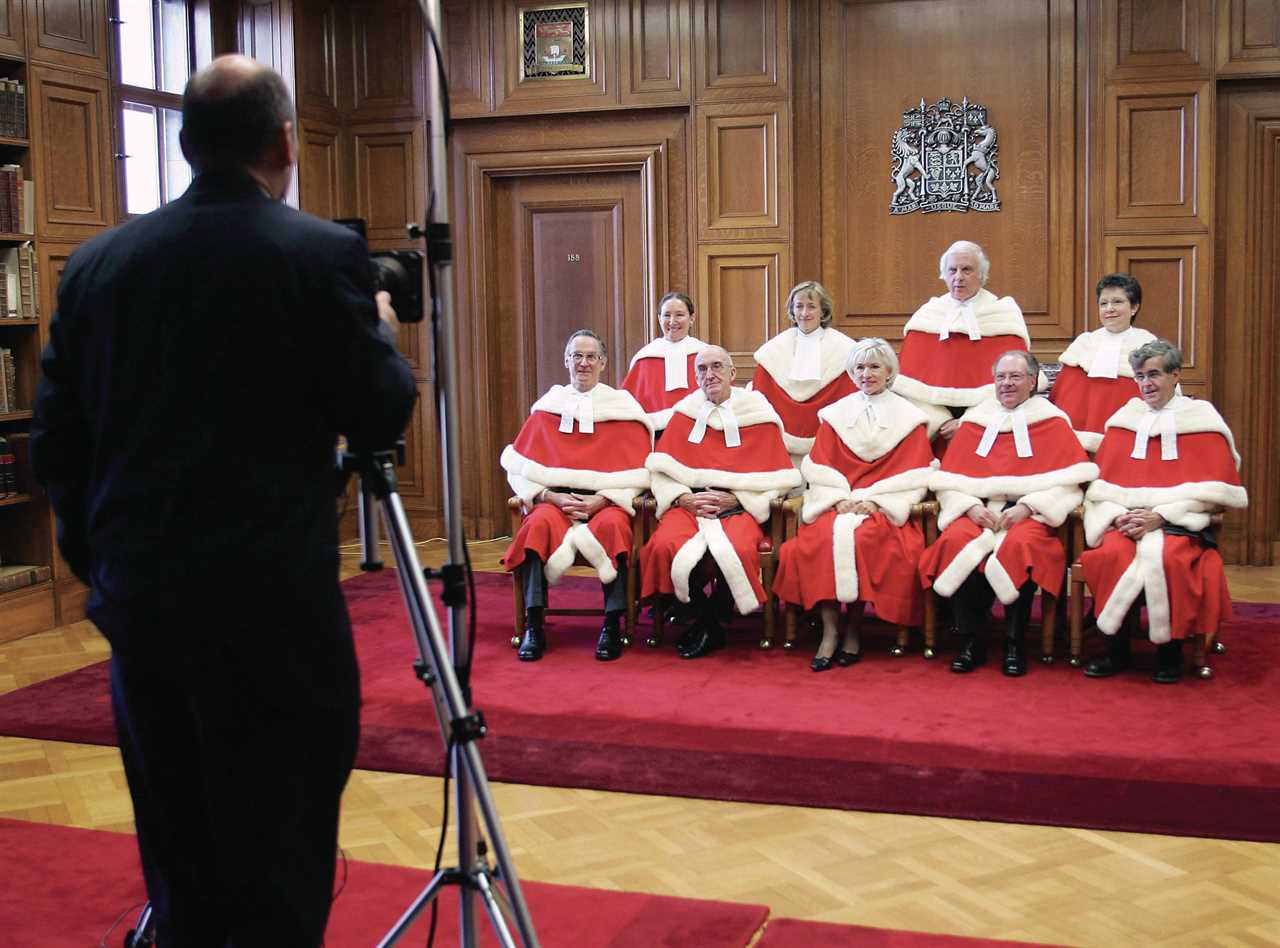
point(943, 158)
point(555, 42)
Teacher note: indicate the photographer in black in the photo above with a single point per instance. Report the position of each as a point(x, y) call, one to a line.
point(202, 361)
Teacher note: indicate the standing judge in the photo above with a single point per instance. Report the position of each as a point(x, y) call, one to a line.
point(661, 372)
point(201, 364)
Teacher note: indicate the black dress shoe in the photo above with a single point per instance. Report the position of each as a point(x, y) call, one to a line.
point(1168, 663)
point(532, 645)
point(707, 637)
point(609, 645)
point(845, 659)
point(1105, 667)
point(971, 656)
point(821, 663)
point(1015, 662)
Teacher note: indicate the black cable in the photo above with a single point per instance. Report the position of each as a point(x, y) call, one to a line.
point(444, 832)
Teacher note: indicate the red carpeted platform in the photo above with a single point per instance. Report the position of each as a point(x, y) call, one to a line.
point(64, 887)
point(793, 933)
point(899, 735)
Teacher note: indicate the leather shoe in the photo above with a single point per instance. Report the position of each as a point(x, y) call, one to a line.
point(609, 645)
point(821, 663)
point(845, 659)
point(707, 637)
point(970, 657)
point(1105, 667)
point(532, 645)
point(1015, 662)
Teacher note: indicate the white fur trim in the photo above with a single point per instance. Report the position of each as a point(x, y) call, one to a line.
point(921, 392)
point(870, 442)
point(607, 403)
point(1054, 505)
point(657, 348)
point(561, 559)
point(593, 552)
point(844, 555)
point(1207, 492)
point(731, 568)
point(1191, 415)
point(1011, 486)
point(1098, 516)
point(1086, 346)
point(1126, 592)
point(998, 577)
point(749, 407)
point(1090, 440)
point(952, 505)
point(1144, 575)
point(782, 479)
point(996, 316)
point(798, 448)
point(685, 561)
point(660, 419)
point(1035, 409)
point(964, 563)
point(1189, 514)
point(513, 462)
point(775, 358)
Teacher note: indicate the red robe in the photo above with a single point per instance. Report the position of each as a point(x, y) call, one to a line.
point(852, 557)
point(756, 471)
point(1181, 578)
point(647, 379)
point(1048, 482)
point(1090, 400)
point(798, 402)
point(608, 461)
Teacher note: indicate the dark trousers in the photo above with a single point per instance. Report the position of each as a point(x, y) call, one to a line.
point(534, 583)
point(238, 733)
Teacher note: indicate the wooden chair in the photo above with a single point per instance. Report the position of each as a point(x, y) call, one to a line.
point(925, 514)
point(774, 533)
point(516, 509)
point(1205, 643)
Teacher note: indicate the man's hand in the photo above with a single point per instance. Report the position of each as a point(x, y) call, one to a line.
point(1015, 514)
point(949, 429)
point(983, 517)
point(575, 506)
point(708, 503)
point(385, 311)
point(1137, 523)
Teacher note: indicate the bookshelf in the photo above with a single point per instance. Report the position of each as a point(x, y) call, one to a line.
point(27, 601)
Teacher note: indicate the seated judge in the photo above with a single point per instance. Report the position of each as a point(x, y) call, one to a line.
point(801, 370)
point(1166, 463)
point(1096, 379)
point(578, 464)
point(720, 464)
point(661, 372)
point(952, 340)
point(1011, 475)
point(856, 544)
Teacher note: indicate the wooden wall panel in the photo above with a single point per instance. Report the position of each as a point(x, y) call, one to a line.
point(742, 49)
point(387, 60)
point(1248, 40)
point(743, 288)
point(1177, 302)
point(877, 62)
point(13, 39)
point(68, 114)
point(598, 88)
point(1153, 38)
point(390, 186)
point(317, 59)
point(70, 33)
point(320, 169)
point(744, 189)
point(654, 53)
point(468, 51)
point(1160, 169)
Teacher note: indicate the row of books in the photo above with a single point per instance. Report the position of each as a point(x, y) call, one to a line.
point(16, 207)
point(19, 577)
point(9, 388)
point(8, 470)
point(19, 282)
point(13, 109)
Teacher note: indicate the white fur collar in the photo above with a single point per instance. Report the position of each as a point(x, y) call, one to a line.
point(657, 348)
point(776, 354)
point(1190, 415)
point(750, 408)
point(996, 317)
point(1036, 408)
point(871, 442)
point(609, 404)
point(1086, 346)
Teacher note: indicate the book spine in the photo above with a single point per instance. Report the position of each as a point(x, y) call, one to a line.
point(8, 470)
point(10, 379)
point(5, 407)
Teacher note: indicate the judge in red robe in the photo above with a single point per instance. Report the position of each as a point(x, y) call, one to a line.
point(578, 465)
point(720, 464)
point(1166, 462)
point(1010, 477)
point(802, 369)
point(856, 544)
point(661, 372)
point(1096, 379)
point(950, 343)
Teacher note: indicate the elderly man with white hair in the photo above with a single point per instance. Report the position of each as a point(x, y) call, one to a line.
point(1010, 477)
point(721, 462)
point(952, 340)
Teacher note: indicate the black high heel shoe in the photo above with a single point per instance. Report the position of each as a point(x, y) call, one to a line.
point(845, 659)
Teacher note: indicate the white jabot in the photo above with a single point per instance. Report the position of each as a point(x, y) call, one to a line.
point(1017, 420)
point(676, 362)
point(873, 408)
point(1112, 347)
point(1153, 422)
point(807, 363)
point(962, 318)
point(578, 406)
point(729, 421)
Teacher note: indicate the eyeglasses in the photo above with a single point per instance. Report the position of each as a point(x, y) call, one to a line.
point(584, 358)
point(1011, 376)
point(717, 367)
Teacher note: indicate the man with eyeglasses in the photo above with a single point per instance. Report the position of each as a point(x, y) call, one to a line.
point(721, 462)
point(578, 466)
point(1010, 477)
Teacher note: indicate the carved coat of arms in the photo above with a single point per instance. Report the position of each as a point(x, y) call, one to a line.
point(944, 159)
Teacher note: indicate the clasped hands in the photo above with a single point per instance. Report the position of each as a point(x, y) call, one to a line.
point(576, 506)
point(987, 518)
point(1137, 523)
point(866, 507)
point(707, 503)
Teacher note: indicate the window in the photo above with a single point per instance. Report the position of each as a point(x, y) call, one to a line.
point(154, 56)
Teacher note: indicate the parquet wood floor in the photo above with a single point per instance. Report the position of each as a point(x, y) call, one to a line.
point(1035, 883)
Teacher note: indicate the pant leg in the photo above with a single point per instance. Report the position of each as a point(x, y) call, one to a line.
point(534, 581)
point(615, 592)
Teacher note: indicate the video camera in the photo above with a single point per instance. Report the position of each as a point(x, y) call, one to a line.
point(399, 272)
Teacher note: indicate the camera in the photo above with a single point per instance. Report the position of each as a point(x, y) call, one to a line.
point(399, 272)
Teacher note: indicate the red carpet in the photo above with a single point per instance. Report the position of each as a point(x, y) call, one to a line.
point(64, 887)
point(898, 735)
point(793, 933)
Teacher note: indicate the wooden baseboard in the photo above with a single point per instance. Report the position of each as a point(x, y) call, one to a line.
point(27, 611)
